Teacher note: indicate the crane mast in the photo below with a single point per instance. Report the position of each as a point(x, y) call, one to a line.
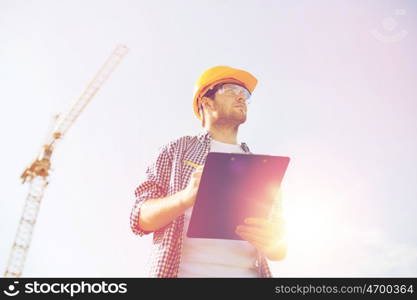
point(37, 173)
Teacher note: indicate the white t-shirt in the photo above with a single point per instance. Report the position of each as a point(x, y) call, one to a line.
point(216, 257)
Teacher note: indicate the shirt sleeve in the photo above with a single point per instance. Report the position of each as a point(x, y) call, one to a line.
point(155, 185)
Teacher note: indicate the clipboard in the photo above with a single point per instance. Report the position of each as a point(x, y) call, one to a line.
point(233, 187)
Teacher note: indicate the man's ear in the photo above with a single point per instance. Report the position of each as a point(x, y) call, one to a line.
point(206, 102)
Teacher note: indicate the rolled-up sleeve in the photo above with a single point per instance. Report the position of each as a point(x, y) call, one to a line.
point(155, 185)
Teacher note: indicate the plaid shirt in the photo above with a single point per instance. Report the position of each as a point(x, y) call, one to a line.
point(165, 176)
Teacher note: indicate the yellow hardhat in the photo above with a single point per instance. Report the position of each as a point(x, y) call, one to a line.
point(218, 74)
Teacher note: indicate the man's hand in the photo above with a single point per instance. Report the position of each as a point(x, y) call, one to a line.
point(190, 192)
point(265, 235)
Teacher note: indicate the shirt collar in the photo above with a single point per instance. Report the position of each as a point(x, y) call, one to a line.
point(204, 137)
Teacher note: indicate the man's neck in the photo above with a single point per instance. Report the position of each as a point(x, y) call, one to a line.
point(224, 134)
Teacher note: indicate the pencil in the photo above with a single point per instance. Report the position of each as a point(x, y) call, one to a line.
point(191, 164)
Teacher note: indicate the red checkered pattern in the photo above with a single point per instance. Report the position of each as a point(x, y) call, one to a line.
point(165, 176)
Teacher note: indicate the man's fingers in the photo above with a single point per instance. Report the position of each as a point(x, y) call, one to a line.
point(197, 173)
point(256, 221)
point(276, 223)
point(198, 170)
point(264, 232)
point(251, 238)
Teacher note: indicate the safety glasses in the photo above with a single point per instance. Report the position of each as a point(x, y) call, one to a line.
point(231, 89)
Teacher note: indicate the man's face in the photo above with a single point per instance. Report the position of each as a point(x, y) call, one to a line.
point(229, 104)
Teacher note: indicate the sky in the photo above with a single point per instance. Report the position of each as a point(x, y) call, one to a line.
point(336, 93)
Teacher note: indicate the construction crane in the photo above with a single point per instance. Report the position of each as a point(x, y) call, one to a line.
point(38, 172)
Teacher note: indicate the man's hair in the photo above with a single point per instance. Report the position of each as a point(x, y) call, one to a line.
point(212, 92)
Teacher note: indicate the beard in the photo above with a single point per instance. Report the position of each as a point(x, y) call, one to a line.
point(238, 115)
point(241, 118)
point(234, 117)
